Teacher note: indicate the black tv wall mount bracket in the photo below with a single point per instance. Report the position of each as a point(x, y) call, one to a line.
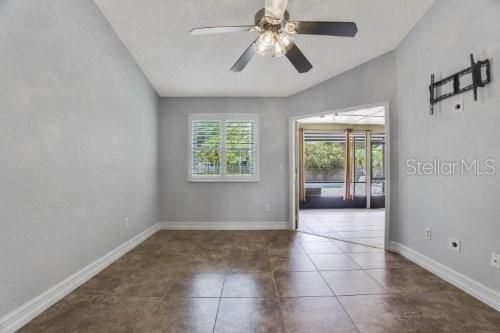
point(476, 71)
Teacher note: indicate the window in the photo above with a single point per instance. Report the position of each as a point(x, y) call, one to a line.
point(223, 147)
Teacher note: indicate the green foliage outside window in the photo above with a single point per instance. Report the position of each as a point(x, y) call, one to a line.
point(324, 155)
point(378, 160)
point(210, 144)
point(330, 156)
point(238, 145)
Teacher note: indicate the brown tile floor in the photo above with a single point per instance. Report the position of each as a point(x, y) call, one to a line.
point(263, 281)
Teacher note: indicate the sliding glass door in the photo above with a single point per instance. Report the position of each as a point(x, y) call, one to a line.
point(324, 165)
point(334, 161)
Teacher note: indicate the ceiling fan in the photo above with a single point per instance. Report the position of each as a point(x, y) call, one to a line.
point(277, 34)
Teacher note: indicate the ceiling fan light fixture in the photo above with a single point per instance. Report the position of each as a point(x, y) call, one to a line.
point(283, 43)
point(265, 42)
point(278, 50)
point(275, 43)
point(289, 28)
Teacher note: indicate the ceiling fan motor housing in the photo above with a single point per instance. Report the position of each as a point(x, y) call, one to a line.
point(260, 18)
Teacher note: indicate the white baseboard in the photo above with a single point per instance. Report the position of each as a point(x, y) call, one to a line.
point(465, 283)
point(28, 311)
point(224, 225)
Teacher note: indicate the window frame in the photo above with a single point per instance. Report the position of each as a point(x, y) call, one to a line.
point(223, 118)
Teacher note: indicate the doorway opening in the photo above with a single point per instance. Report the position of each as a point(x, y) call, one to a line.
point(340, 179)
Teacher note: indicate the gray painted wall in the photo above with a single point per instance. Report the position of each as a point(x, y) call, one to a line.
point(182, 201)
point(466, 207)
point(369, 83)
point(78, 144)
point(227, 202)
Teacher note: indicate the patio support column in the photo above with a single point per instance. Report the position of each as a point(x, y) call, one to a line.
point(368, 175)
point(348, 195)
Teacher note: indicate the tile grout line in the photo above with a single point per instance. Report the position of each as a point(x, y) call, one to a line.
point(386, 290)
point(283, 324)
point(331, 290)
point(146, 323)
point(373, 278)
point(340, 240)
point(220, 298)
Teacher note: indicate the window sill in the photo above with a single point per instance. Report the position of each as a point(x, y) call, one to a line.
point(223, 180)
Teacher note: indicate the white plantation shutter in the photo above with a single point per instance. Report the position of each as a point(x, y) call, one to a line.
point(206, 147)
point(223, 147)
point(240, 148)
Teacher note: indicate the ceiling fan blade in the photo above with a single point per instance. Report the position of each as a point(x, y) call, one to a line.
point(298, 60)
point(220, 30)
point(276, 8)
point(241, 63)
point(342, 29)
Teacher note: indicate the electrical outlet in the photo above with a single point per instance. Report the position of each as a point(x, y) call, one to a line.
point(126, 223)
point(454, 244)
point(495, 260)
point(279, 167)
point(267, 207)
point(428, 234)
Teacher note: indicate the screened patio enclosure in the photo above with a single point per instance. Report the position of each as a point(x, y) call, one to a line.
point(341, 168)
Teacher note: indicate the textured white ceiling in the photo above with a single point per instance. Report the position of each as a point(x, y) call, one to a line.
point(156, 32)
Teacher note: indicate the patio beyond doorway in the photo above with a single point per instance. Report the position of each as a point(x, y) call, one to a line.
point(341, 175)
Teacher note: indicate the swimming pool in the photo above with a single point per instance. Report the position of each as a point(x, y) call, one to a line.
point(324, 185)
